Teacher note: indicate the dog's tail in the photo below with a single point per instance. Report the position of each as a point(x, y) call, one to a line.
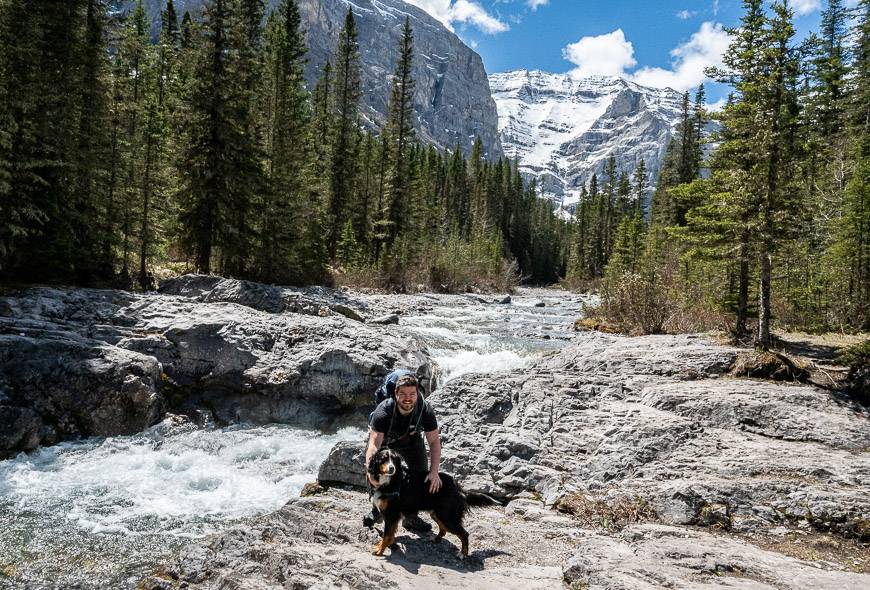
point(475, 500)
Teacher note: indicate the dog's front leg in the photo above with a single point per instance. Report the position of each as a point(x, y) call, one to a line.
point(391, 525)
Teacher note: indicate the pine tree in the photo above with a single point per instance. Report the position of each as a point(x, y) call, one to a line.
point(89, 193)
point(221, 162)
point(346, 96)
point(759, 148)
point(400, 131)
point(169, 24)
point(323, 123)
point(284, 214)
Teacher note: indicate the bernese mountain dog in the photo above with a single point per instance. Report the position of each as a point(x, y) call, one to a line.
point(401, 492)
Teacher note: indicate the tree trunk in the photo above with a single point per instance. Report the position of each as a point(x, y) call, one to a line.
point(764, 299)
point(742, 289)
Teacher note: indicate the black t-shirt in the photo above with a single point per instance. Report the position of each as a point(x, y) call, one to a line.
point(411, 448)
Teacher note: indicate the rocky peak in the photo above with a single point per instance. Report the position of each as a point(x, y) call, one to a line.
point(452, 98)
point(562, 128)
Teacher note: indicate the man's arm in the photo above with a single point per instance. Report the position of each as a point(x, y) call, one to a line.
point(375, 441)
point(433, 437)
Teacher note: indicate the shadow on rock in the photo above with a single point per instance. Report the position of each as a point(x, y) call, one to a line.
point(410, 552)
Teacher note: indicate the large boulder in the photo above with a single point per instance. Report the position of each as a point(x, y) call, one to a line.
point(65, 386)
point(83, 362)
point(649, 418)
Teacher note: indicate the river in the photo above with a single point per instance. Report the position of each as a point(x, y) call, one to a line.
point(99, 513)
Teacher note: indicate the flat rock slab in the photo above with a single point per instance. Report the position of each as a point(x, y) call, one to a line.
point(651, 556)
point(653, 418)
point(316, 542)
point(319, 542)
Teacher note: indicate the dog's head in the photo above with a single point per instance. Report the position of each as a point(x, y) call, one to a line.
point(385, 465)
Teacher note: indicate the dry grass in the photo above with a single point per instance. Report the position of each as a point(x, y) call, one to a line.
point(847, 554)
point(436, 276)
point(591, 324)
point(770, 365)
point(611, 513)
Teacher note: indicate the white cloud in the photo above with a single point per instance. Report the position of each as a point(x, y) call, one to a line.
point(715, 107)
point(805, 6)
point(533, 4)
point(461, 11)
point(703, 49)
point(686, 14)
point(607, 55)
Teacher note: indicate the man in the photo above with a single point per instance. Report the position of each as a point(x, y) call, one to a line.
point(399, 423)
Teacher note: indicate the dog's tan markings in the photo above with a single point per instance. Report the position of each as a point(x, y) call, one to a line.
point(385, 468)
point(387, 540)
point(442, 530)
point(382, 505)
point(463, 536)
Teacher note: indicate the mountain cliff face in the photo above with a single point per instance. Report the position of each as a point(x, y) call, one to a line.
point(452, 98)
point(563, 129)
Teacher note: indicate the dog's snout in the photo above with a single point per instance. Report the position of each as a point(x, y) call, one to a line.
point(391, 470)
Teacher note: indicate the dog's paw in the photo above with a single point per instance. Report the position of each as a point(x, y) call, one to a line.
point(379, 551)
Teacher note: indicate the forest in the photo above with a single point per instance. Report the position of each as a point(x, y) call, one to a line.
point(124, 158)
point(763, 215)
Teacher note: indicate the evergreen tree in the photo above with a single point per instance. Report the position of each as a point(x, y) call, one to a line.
point(284, 216)
point(169, 24)
point(400, 131)
point(323, 123)
point(220, 161)
point(347, 92)
point(89, 193)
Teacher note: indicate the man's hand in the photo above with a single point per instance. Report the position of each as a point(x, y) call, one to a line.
point(434, 481)
point(371, 480)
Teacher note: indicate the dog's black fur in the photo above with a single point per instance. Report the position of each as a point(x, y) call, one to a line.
point(401, 492)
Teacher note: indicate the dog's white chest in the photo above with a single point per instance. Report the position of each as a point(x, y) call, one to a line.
point(379, 500)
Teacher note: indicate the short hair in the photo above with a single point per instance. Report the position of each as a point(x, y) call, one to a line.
point(406, 381)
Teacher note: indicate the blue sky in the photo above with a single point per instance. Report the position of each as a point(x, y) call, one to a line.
point(655, 42)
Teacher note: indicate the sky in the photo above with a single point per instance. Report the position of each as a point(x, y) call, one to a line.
point(661, 43)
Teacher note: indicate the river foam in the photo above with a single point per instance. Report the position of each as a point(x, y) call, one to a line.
point(173, 479)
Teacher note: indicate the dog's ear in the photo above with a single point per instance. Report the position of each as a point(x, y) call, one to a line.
point(399, 460)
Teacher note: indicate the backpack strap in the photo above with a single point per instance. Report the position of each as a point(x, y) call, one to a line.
point(413, 426)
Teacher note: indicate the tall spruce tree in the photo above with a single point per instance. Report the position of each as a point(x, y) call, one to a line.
point(220, 161)
point(346, 96)
point(284, 215)
point(400, 133)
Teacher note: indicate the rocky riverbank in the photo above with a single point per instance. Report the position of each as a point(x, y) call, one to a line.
point(624, 463)
point(78, 362)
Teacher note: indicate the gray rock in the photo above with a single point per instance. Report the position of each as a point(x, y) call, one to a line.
point(654, 556)
point(318, 542)
point(94, 362)
point(647, 417)
point(504, 300)
point(645, 420)
point(345, 465)
point(386, 319)
point(61, 386)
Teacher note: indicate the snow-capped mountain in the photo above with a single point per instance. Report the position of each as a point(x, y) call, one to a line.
point(563, 129)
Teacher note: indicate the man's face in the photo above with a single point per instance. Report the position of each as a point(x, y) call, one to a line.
point(406, 397)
